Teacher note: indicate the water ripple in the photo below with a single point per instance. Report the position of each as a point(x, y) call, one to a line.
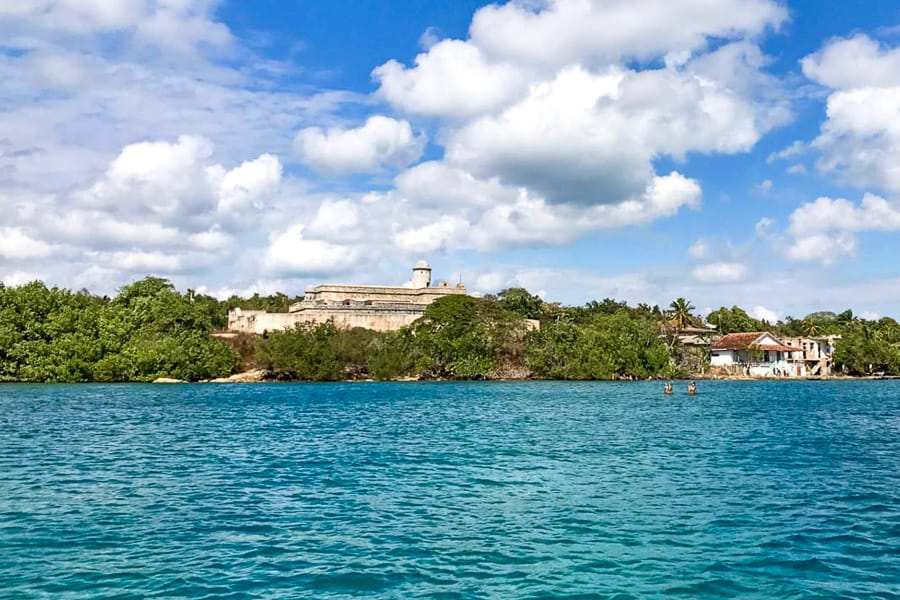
point(519, 490)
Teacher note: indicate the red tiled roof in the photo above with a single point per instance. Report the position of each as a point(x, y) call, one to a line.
point(743, 341)
point(778, 348)
point(737, 341)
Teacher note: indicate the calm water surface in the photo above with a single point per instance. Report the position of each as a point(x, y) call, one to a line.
point(518, 490)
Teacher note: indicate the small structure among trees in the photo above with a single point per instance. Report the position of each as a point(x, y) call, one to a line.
point(756, 354)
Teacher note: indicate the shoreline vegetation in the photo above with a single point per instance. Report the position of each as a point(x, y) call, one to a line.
point(151, 332)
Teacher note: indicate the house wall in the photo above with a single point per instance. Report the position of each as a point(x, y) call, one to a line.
point(776, 369)
point(740, 362)
point(768, 340)
point(721, 358)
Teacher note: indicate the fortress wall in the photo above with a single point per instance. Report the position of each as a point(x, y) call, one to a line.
point(368, 319)
point(380, 308)
point(258, 322)
point(378, 295)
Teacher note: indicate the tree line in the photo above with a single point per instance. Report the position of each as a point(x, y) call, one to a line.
point(150, 330)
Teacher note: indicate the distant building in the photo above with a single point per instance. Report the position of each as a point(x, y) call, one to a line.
point(699, 337)
point(814, 353)
point(381, 308)
point(755, 354)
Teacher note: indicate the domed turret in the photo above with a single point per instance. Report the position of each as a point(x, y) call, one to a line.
point(421, 277)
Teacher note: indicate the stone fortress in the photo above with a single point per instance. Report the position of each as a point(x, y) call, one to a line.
point(381, 308)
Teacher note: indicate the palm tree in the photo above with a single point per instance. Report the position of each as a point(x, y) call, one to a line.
point(845, 318)
point(680, 313)
point(809, 327)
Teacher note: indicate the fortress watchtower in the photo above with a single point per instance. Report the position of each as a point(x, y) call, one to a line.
point(421, 277)
point(376, 307)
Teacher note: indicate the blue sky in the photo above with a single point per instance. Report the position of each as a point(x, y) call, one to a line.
point(730, 151)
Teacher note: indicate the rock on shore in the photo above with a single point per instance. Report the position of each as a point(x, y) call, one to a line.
point(245, 377)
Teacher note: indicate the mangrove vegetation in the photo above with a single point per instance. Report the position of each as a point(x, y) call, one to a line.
point(150, 330)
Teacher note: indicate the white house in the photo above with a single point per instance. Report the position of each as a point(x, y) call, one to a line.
point(757, 354)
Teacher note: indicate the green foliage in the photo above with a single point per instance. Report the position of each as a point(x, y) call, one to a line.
point(307, 352)
point(607, 306)
point(607, 346)
point(735, 320)
point(277, 302)
point(466, 337)
point(149, 330)
point(866, 348)
point(681, 315)
point(521, 302)
point(394, 355)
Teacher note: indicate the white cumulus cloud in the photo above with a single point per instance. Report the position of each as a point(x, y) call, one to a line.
point(860, 138)
point(561, 32)
point(16, 244)
point(291, 254)
point(826, 229)
point(452, 79)
point(380, 142)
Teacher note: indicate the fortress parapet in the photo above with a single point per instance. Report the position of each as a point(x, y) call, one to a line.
point(381, 308)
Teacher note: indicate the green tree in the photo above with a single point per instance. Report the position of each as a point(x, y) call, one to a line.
point(307, 352)
point(681, 313)
point(466, 337)
point(734, 320)
point(607, 346)
point(521, 302)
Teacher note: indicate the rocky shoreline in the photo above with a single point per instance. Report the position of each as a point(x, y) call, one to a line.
point(263, 375)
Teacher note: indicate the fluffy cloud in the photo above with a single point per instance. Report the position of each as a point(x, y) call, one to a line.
point(241, 187)
point(860, 139)
point(381, 142)
point(826, 214)
point(541, 145)
point(161, 207)
point(522, 218)
point(16, 244)
point(447, 231)
point(452, 79)
point(291, 254)
point(825, 229)
point(540, 97)
point(178, 184)
point(720, 272)
point(179, 25)
point(436, 184)
point(567, 31)
point(591, 138)
point(77, 16)
point(852, 63)
point(822, 247)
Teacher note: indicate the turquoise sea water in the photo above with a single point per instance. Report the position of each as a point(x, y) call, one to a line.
point(484, 490)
